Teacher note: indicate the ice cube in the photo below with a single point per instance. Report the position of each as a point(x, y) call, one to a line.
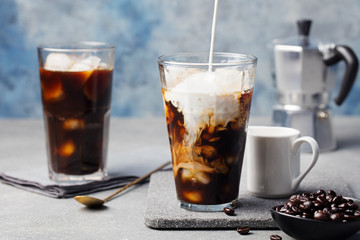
point(52, 89)
point(67, 149)
point(208, 151)
point(97, 86)
point(87, 64)
point(192, 196)
point(215, 139)
point(194, 167)
point(103, 66)
point(186, 175)
point(58, 62)
point(202, 177)
point(220, 165)
point(73, 124)
point(230, 160)
point(53, 92)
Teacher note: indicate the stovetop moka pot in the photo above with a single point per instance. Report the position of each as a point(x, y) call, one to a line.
point(305, 74)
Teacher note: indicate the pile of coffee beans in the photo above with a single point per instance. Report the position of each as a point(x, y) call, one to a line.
point(321, 206)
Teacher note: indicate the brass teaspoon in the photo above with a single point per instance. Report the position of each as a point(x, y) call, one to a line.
point(93, 202)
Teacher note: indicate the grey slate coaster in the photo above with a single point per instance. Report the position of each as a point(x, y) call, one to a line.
point(163, 211)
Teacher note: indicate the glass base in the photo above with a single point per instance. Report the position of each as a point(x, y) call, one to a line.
point(208, 208)
point(64, 178)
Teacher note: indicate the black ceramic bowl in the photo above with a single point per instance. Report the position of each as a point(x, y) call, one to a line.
point(309, 229)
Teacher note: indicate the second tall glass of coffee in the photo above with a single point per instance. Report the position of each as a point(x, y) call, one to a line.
point(76, 83)
point(207, 111)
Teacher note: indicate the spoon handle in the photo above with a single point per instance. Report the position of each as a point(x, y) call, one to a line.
point(136, 181)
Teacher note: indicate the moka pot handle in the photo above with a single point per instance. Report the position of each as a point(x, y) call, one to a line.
point(345, 53)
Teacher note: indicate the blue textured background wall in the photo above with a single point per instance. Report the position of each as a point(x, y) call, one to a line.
point(142, 30)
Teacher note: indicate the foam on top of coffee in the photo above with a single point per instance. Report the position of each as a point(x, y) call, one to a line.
point(65, 62)
point(207, 98)
point(220, 82)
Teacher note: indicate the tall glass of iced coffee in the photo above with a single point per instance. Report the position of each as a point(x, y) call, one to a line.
point(76, 82)
point(207, 111)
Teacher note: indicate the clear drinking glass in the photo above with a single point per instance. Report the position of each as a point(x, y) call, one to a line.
point(207, 112)
point(76, 83)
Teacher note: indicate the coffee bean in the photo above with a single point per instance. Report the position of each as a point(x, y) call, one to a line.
point(234, 204)
point(344, 200)
point(321, 192)
point(307, 215)
point(229, 211)
point(296, 210)
point(336, 217)
point(296, 202)
point(302, 207)
point(329, 198)
point(349, 217)
point(335, 209)
point(332, 193)
point(290, 211)
point(323, 201)
point(243, 230)
point(318, 204)
point(321, 215)
point(342, 206)
point(357, 213)
point(304, 198)
point(283, 210)
point(293, 198)
point(350, 211)
point(337, 199)
point(290, 204)
point(327, 210)
point(275, 237)
point(308, 205)
point(312, 196)
point(352, 206)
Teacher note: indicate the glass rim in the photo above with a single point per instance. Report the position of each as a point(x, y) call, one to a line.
point(80, 46)
point(239, 59)
point(272, 132)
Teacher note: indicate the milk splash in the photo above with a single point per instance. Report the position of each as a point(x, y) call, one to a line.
point(213, 28)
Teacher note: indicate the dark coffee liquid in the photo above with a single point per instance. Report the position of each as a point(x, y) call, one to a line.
point(76, 110)
point(208, 170)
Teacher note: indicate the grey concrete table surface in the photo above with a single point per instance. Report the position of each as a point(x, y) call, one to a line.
point(25, 215)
